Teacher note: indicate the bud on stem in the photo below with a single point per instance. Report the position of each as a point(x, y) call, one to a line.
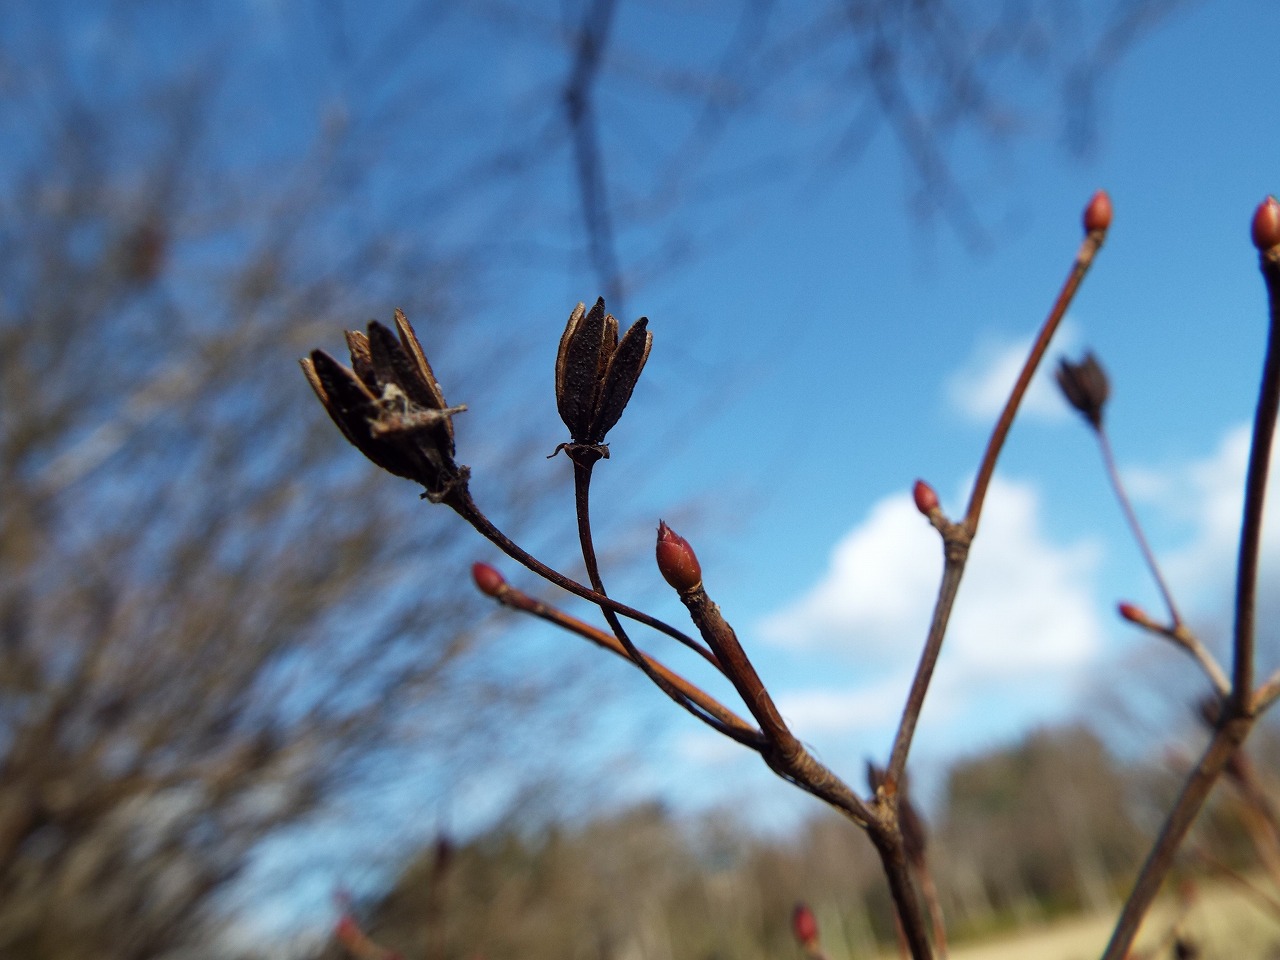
point(1097, 215)
point(1134, 614)
point(488, 580)
point(676, 560)
point(1266, 225)
point(804, 925)
point(925, 497)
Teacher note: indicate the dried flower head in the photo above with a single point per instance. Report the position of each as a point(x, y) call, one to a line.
point(595, 373)
point(1086, 387)
point(389, 405)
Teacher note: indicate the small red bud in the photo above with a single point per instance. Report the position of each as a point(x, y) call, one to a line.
point(1097, 215)
point(1266, 225)
point(488, 580)
point(804, 924)
point(925, 497)
point(1133, 613)
point(347, 931)
point(676, 560)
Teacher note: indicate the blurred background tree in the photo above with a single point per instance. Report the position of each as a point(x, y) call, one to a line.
point(218, 626)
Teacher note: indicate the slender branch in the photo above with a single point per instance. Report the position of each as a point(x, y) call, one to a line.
point(592, 39)
point(1267, 694)
point(1135, 527)
point(516, 599)
point(886, 837)
point(929, 890)
point(785, 755)
point(956, 540)
point(1227, 738)
point(1084, 259)
point(459, 499)
point(1184, 638)
point(582, 469)
point(1264, 425)
point(1181, 636)
point(958, 537)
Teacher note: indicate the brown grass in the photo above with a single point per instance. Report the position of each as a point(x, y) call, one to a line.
point(1224, 923)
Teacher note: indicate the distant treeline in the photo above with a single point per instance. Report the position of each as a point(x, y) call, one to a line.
point(1049, 826)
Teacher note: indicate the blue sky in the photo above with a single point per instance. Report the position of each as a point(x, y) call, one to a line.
point(852, 349)
point(819, 346)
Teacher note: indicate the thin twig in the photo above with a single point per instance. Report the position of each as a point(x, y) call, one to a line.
point(516, 599)
point(1084, 258)
point(1226, 740)
point(1184, 638)
point(1255, 490)
point(956, 546)
point(459, 499)
point(886, 837)
point(1267, 694)
point(957, 537)
point(1181, 636)
point(785, 755)
point(582, 469)
point(1135, 527)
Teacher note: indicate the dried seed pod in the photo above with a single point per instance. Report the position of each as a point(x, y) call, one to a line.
point(1086, 387)
point(389, 405)
point(595, 373)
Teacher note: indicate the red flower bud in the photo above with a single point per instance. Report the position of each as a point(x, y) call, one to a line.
point(925, 497)
point(676, 560)
point(1133, 613)
point(347, 928)
point(1266, 225)
point(804, 925)
point(1097, 215)
point(489, 581)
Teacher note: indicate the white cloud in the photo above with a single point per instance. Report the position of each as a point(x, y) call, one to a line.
point(873, 588)
point(1207, 495)
point(979, 389)
point(1024, 601)
point(821, 710)
point(1025, 614)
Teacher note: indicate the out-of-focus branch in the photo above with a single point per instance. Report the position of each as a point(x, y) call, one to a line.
point(958, 536)
point(597, 218)
point(492, 584)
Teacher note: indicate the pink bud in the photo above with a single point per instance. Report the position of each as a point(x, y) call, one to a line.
point(489, 581)
point(1266, 225)
point(925, 497)
point(677, 561)
point(804, 924)
point(1097, 215)
point(1133, 613)
point(347, 931)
